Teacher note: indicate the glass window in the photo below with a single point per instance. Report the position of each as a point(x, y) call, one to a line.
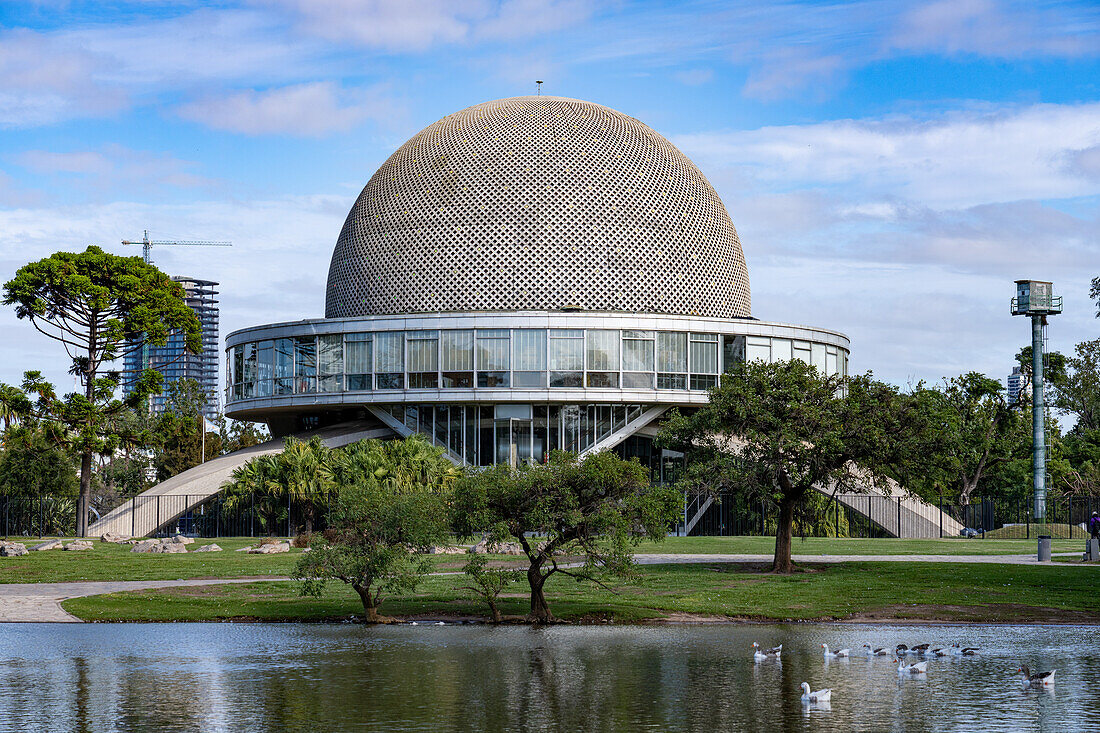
point(733, 352)
point(603, 350)
point(305, 364)
point(283, 366)
point(529, 350)
point(637, 380)
point(704, 353)
point(492, 350)
point(458, 351)
point(567, 349)
point(672, 381)
point(758, 348)
point(781, 350)
point(423, 359)
point(264, 368)
point(602, 379)
point(423, 347)
point(529, 379)
point(672, 352)
point(390, 358)
point(830, 360)
point(357, 355)
point(637, 351)
point(801, 350)
point(818, 357)
point(566, 379)
point(330, 362)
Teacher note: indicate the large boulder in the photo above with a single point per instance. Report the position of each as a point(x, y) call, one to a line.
point(47, 545)
point(502, 548)
point(269, 548)
point(78, 546)
point(171, 547)
point(145, 546)
point(115, 539)
point(212, 547)
point(12, 549)
point(179, 540)
point(446, 550)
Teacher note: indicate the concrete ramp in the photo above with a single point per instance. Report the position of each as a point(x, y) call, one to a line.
point(898, 515)
point(149, 511)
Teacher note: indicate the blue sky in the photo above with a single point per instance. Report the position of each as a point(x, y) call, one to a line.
point(891, 167)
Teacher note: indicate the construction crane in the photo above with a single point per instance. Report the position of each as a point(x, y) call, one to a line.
point(147, 245)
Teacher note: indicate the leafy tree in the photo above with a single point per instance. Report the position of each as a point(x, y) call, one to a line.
point(14, 406)
point(597, 507)
point(252, 484)
point(981, 430)
point(488, 583)
point(1079, 392)
point(775, 432)
point(179, 430)
point(34, 465)
point(378, 528)
point(238, 434)
point(100, 307)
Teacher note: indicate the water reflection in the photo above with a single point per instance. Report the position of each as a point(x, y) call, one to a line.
point(199, 677)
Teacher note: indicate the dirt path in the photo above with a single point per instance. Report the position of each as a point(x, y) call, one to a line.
point(41, 602)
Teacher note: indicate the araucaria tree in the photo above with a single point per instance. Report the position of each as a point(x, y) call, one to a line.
point(380, 525)
point(598, 507)
point(99, 306)
point(778, 431)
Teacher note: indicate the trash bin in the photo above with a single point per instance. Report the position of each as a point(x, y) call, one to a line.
point(1044, 548)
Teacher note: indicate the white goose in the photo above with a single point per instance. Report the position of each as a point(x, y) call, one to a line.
point(837, 653)
point(880, 652)
point(914, 668)
point(819, 696)
point(762, 656)
point(1040, 679)
point(970, 651)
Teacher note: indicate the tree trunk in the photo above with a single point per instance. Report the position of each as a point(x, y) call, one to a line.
point(784, 529)
point(540, 611)
point(369, 604)
point(85, 499)
point(494, 610)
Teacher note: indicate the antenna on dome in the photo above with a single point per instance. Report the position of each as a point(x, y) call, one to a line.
point(538, 90)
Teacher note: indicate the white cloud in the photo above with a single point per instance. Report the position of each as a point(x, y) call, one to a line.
point(957, 160)
point(309, 110)
point(998, 29)
point(416, 25)
point(43, 81)
point(115, 168)
point(788, 71)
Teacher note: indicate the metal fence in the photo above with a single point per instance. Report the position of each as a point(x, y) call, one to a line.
point(882, 516)
point(158, 516)
point(730, 515)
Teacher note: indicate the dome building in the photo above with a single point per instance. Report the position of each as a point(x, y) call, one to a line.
point(523, 275)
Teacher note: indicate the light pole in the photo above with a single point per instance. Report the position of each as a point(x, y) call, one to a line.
point(1036, 299)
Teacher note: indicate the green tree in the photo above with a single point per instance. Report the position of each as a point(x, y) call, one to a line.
point(598, 507)
point(238, 434)
point(1078, 393)
point(100, 307)
point(34, 465)
point(252, 485)
point(775, 432)
point(488, 583)
point(14, 406)
point(378, 529)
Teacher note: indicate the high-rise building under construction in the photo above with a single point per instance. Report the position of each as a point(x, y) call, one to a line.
point(173, 360)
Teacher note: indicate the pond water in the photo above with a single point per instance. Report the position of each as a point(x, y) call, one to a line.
point(295, 677)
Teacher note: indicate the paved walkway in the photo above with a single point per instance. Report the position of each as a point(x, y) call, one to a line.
point(41, 602)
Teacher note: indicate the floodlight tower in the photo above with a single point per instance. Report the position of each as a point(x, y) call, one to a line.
point(1036, 299)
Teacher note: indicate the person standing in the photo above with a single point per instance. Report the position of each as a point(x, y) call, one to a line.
point(1094, 526)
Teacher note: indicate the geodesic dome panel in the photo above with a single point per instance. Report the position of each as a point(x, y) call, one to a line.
point(538, 203)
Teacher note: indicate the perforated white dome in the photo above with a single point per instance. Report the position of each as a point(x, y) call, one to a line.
point(538, 203)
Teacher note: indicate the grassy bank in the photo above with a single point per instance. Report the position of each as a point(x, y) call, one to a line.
point(115, 562)
point(909, 591)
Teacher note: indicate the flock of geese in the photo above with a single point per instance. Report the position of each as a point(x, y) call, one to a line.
point(905, 669)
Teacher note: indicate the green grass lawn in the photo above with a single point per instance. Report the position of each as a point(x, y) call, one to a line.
point(1003, 593)
point(115, 562)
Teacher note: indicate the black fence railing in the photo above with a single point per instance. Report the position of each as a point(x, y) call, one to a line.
point(871, 516)
point(853, 516)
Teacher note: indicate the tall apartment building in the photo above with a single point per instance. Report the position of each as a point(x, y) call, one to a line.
point(1015, 382)
point(174, 362)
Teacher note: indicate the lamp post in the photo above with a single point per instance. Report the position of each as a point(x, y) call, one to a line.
point(1036, 299)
